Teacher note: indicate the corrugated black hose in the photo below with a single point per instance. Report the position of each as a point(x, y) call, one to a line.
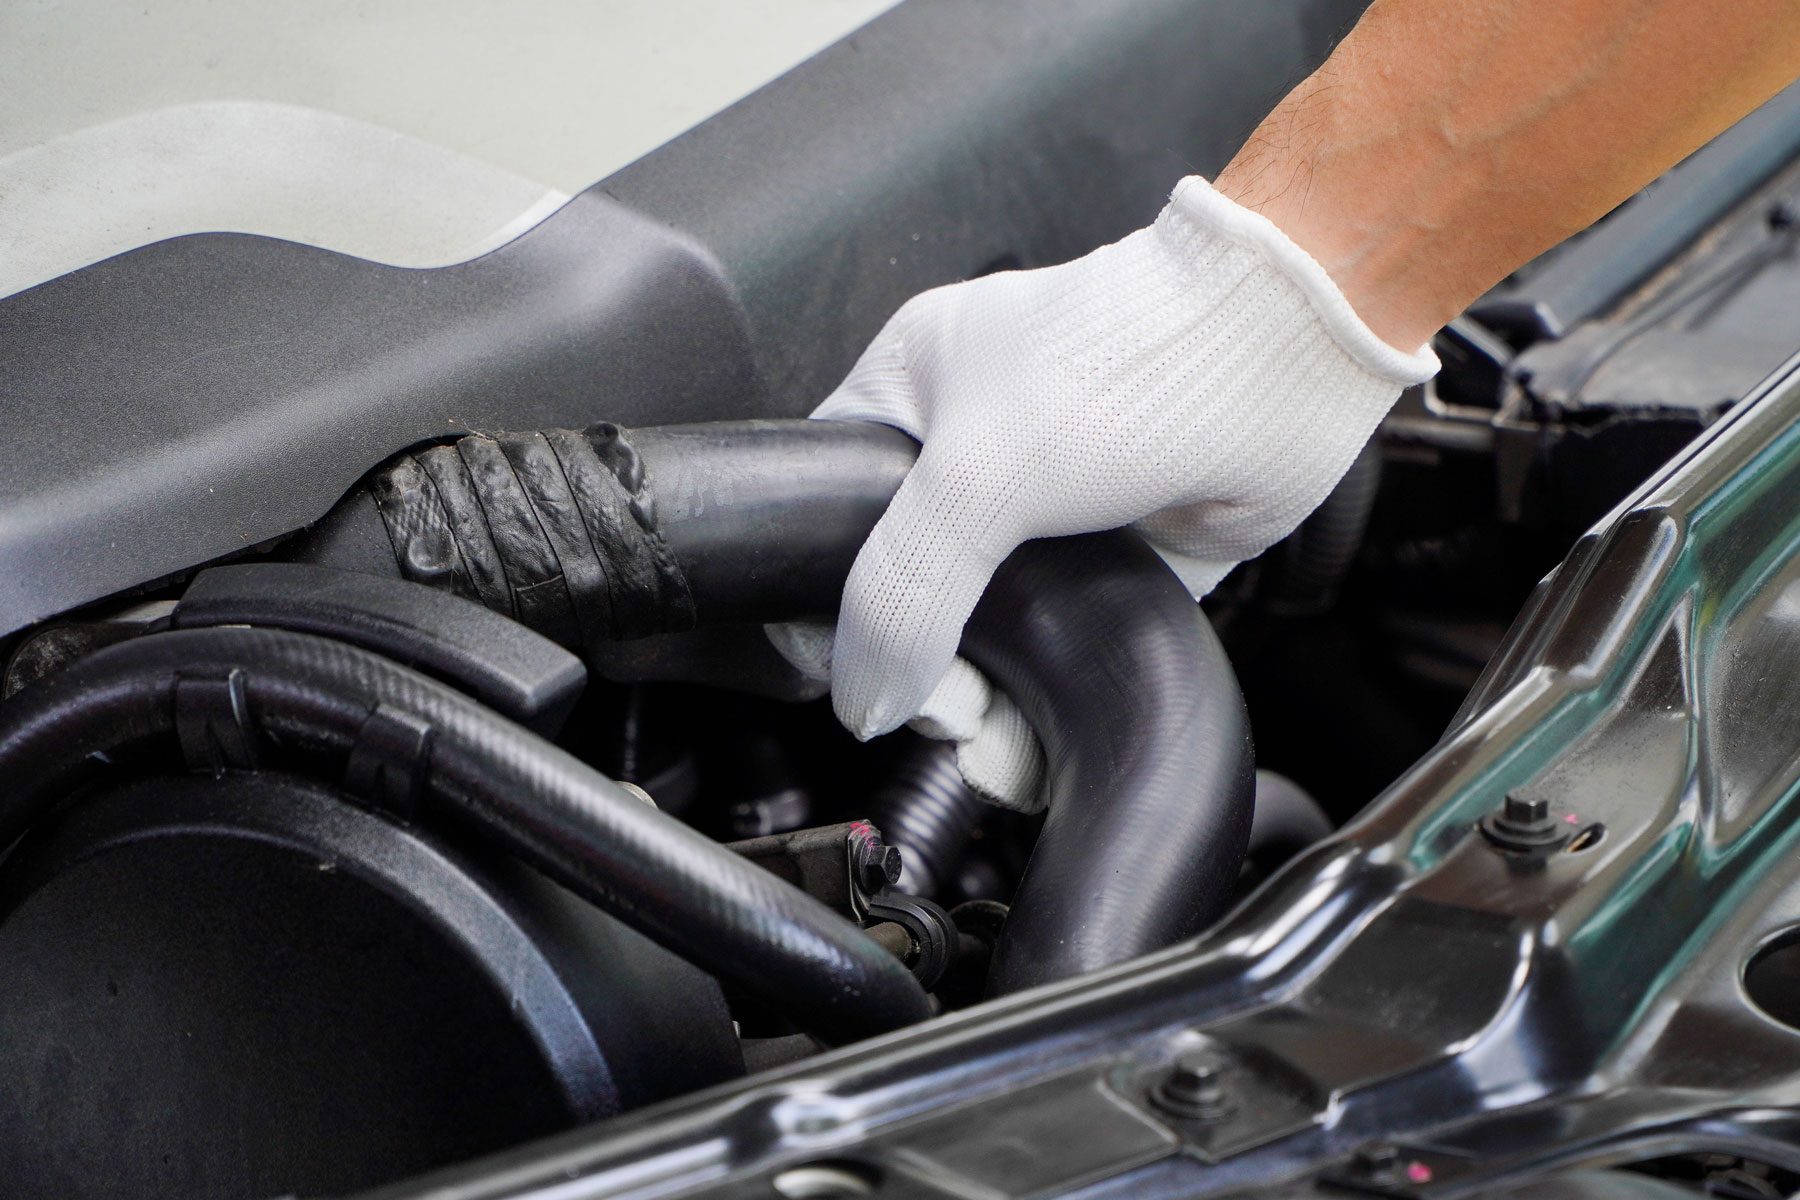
point(244, 697)
point(1117, 670)
point(925, 809)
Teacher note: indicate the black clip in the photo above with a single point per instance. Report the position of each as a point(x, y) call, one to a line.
point(387, 765)
point(932, 932)
point(214, 725)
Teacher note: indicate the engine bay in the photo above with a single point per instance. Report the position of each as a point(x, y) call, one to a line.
point(401, 791)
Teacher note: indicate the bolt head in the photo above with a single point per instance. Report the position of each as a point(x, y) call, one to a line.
point(1526, 810)
point(1524, 824)
point(1193, 1068)
point(1191, 1088)
point(878, 867)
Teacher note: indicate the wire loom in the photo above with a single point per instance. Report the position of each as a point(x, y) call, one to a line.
point(556, 529)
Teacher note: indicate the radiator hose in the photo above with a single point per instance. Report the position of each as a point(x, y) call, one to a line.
point(616, 533)
point(252, 698)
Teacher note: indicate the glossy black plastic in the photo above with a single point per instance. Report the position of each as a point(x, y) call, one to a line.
point(501, 663)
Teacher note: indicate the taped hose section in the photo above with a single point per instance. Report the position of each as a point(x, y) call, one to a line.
point(1148, 748)
point(752, 521)
point(556, 529)
point(925, 809)
point(249, 697)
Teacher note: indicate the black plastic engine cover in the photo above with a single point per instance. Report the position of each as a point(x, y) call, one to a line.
point(246, 986)
point(188, 400)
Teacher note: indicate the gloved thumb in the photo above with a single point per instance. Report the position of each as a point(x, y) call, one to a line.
point(996, 750)
point(908, 595)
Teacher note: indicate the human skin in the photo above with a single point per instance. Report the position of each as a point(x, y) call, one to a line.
point(1446, 142)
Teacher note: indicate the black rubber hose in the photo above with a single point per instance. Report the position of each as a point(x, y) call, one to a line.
point(1109, 658)
point(1287, 820)
point(767, 516)
point(292, 699)
point(1120, 674)
point(924, 808)
point(1321, 552)
point(763, 517)
point(1147, 745)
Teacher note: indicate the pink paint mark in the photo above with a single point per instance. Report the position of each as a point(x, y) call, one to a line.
point(1418, 1172)
point(1571, 819)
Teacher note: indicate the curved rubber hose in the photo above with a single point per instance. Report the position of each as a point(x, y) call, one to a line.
point(315, 701)
point(1104, 651)
point(925, 809)
point(1144, 730)
point(1148, 748)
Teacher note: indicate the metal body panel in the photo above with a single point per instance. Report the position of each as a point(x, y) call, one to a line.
point(1407, 1009)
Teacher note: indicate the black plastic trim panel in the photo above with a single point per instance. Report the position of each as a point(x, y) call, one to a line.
point(189, 400)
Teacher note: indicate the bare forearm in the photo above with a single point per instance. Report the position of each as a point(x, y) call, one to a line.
point(1445, 143)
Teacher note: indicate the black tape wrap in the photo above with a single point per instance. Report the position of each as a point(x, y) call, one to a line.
point(556, 529)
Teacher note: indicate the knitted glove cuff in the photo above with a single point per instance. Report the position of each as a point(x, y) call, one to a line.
point(1196, 212)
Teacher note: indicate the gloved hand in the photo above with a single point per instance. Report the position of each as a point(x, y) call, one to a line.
point(1202, 378)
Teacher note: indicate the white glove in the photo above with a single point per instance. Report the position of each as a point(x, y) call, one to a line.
point(996, 751)
point(1203, 378)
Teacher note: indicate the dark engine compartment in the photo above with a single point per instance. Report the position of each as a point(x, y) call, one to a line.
point(382, 794)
